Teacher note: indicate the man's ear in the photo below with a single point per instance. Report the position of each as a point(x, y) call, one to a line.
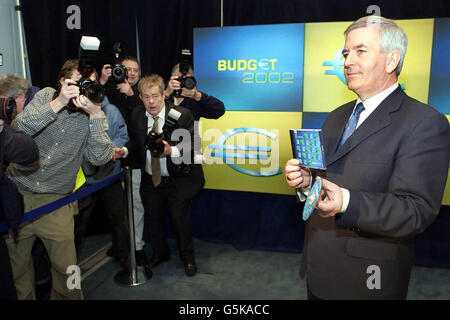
point(392, 61)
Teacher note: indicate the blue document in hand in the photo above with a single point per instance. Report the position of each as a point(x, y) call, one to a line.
point(307, 147)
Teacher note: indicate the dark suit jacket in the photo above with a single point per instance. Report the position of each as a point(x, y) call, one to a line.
point(395, 166)
point(18, 147)
point(187, 185)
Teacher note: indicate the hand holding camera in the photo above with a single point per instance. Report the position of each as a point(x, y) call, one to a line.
point(94, 110)
point(156, 142)
point(106, 73)
point(167, 151)
point(182, 90)
point(125, 88)
point(68, 90)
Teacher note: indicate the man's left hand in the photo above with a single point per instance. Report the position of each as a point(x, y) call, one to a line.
point(125, 87)
point(94, 110)
point(167, 150)
point(191, 93)
point(332, 203)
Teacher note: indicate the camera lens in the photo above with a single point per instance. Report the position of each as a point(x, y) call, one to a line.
point(92, 90)
point(119, 73)
point(190, 82)
point(8, 109)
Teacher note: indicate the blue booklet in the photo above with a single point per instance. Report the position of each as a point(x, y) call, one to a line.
point(307, 147)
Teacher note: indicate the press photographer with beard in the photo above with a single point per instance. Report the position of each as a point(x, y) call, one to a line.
point(18, 147)
point(64, 133)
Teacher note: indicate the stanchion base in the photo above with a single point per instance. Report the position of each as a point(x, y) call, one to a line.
point(124, 277)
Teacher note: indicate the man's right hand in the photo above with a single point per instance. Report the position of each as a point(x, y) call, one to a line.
point(69, 90)
point(118, 154)
point(297, 176)
point(106, 73)
point(172, 85)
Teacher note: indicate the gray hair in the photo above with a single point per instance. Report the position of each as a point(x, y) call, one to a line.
point(392, 37)
point(12, 85)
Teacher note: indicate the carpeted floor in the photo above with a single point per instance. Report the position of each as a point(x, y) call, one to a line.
point(225, 273)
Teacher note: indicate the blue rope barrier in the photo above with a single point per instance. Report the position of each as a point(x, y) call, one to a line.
point(80, 193)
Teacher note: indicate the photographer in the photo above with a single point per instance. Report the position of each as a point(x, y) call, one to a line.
point(124, 94)
point(199, 103)
point(18, 147)
point(14, 86)
point(111, 197)
point(66, 126)
point(165, 183)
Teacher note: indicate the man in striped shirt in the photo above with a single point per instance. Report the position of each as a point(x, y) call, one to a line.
point(64, 136)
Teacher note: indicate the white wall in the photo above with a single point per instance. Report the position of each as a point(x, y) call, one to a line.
point(9, 39)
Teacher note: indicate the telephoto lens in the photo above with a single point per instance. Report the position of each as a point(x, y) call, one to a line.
point(94, 91)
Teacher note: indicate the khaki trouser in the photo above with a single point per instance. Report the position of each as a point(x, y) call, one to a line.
point(56, 230)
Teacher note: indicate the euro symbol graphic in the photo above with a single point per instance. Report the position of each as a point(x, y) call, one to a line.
point(221, 151)
point(337, 63)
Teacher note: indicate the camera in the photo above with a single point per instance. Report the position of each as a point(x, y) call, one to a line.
point(86, 66)
point(119, 72)
point(154, 139)
point(8, 109)
point(185, 81)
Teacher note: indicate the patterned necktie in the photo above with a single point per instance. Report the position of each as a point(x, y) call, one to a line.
point(351, 124)
point(156, 167)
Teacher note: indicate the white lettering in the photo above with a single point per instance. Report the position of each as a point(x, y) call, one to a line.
point(73, 21)
point(196, 310)
point(74, 280)
point(374, 281)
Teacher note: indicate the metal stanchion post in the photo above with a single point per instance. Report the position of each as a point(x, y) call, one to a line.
point(135, 275)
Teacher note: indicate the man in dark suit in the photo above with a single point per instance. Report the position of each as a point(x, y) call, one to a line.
point(384, 181)
point(170, 179)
